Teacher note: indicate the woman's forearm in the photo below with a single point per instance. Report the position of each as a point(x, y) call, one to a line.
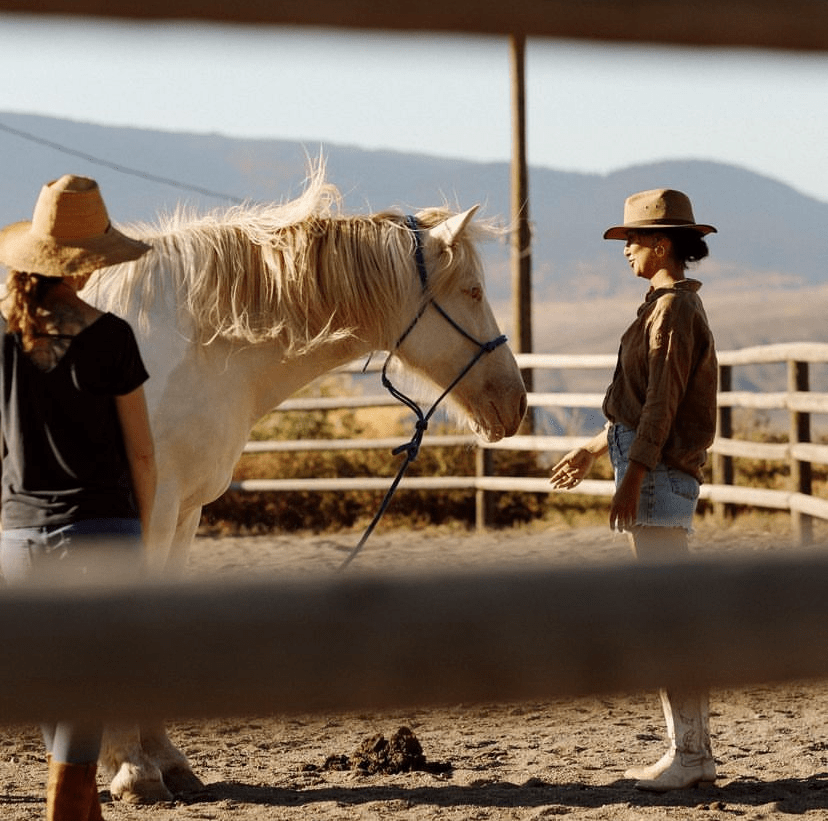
point(140, 451)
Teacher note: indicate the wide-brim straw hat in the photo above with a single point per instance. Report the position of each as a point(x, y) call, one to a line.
point(69, 234)
point(662, 208)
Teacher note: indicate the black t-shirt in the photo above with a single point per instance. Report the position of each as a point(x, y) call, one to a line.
point(63, 451)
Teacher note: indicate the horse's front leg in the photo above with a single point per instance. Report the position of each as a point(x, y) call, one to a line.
point(155, 746)
point(135, 777)
point(141, 761)
point(173, 764)
point(182, 541)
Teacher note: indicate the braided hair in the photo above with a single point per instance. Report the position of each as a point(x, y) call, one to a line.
point(25, 296)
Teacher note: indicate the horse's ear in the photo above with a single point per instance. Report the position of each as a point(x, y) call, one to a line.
point(448, 230)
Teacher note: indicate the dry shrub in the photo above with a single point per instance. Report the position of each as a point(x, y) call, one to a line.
point(320, 511)
point(263, 512)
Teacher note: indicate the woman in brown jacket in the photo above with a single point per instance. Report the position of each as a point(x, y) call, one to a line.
point(661, 407)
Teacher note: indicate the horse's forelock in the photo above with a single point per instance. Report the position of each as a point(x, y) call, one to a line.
point(462, 256)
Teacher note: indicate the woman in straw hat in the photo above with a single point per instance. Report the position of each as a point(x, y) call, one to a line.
point(78, 463)
point(661, 407)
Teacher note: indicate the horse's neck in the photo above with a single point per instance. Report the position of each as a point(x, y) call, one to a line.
point(258, 376)
point(274, 378)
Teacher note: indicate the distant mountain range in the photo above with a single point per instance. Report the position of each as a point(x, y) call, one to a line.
point(764, 280)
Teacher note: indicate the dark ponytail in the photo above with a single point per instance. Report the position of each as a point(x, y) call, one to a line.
point(688, 245)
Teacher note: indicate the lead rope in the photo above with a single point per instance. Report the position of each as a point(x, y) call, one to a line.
point(412, 447)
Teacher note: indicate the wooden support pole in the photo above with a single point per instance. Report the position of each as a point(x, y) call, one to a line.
point(483, 499)
point(800, 431)
point(722, 463)
point(264, 646)
point(521, 229)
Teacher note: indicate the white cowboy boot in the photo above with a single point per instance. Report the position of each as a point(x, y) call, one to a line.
point(652, 771)
point(689, 760)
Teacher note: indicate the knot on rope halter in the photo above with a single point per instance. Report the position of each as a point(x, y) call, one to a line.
point(412, 447)
point(488, 347)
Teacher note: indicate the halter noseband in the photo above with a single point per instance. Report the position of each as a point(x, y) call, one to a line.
point(412, 447)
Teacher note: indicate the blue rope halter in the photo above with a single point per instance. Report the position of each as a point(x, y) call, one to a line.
point(412, 448)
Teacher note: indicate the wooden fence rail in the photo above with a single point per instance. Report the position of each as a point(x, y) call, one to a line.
point(254, 647)
point(798, 453)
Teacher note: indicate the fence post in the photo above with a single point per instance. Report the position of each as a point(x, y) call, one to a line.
point(800, 431)
point(521, 244)
point(482, 500)
point(723, 464)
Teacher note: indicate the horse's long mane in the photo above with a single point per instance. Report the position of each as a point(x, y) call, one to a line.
point(299, 272)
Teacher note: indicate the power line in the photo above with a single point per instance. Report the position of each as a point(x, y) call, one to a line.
point(25, 135)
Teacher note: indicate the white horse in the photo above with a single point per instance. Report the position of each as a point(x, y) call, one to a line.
point(235, 311)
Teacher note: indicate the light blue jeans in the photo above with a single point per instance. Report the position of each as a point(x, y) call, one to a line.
point(70, 553)
point(668, 496)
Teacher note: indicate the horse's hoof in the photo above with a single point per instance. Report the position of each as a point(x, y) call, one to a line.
point(144, 791)
point(182, 780)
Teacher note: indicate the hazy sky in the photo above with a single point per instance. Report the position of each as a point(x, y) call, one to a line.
point(590, 108)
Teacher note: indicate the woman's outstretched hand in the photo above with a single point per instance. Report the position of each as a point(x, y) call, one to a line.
point(572, 469)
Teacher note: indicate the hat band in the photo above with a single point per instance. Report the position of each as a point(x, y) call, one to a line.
point(659, 221)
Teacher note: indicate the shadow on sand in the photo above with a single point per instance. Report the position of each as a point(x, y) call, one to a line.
point(791, 795)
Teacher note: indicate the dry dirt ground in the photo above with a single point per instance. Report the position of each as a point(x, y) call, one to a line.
point(534, 760)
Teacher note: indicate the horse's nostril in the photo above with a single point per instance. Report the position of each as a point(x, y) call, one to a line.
point(524, 404)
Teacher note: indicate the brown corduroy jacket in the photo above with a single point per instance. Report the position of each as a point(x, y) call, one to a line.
point(665, 381)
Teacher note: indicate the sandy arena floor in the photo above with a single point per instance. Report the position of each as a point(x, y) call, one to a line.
point(502, 761)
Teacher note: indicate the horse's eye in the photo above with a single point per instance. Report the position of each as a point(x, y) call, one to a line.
point(475, 292)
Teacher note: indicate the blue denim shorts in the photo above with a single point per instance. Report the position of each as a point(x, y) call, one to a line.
point(71, 552)
point(668, 496)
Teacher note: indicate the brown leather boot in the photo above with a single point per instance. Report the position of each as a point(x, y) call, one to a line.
point(95, 808)
point(71, 792)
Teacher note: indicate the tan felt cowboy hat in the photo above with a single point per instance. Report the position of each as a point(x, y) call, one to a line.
point(658, 208)
point(69, 235)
